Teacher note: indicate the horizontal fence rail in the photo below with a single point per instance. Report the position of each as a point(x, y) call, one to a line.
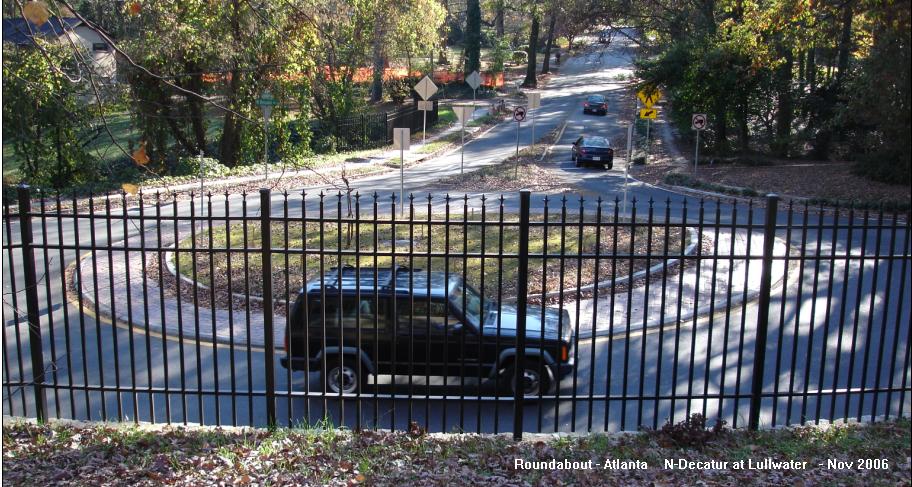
point(512, 313)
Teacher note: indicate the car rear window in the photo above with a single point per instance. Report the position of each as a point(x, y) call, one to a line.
point(596, 142)
point(596, 99)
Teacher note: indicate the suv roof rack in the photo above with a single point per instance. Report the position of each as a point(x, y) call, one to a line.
point(381, 281)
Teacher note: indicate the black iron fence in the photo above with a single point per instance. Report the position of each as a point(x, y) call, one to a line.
point(470, 314)
point(366, 131)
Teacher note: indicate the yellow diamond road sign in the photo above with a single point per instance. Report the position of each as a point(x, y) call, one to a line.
point(649, 113)
point(649, 96)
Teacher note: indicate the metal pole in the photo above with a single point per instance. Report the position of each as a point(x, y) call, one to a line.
point(769, 237)
point(646, 159)
point(462, 155)
point(697, 152)
point(533, 128)
point(627, 163)
point(521, 292)
point(424, 128)
point(266, 148)
point(473, 103)
point(268, 332)
point(202, 188)
point(517, 138)
point(516, 165)
point(401, 179)
point(31, 302)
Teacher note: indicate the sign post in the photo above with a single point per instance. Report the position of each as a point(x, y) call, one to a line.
point(519, 114)
point(463, 112)
point(534, 102)
point(266, 102)
point(698, 123)
point(401, 140)
point(649, 96)
point(627, 164)
point(425, 89)
point(474, 81)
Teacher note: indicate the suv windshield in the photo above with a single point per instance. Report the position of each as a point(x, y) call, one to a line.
point(475, 307)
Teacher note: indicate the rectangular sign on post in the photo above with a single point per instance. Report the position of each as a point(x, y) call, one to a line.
point(426, 106)
point(649, 113)
point(401, 138)
point(534, 100)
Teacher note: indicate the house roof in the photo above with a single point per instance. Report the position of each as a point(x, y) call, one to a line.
point(19, 31)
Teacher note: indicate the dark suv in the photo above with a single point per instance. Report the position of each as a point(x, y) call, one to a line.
point(400, 321)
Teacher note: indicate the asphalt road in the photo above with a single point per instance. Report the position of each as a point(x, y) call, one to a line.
point(835, 328)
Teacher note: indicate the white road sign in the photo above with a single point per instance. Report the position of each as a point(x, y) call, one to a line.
point(474, 80)
point(519, 113)
point(426, 106)
point(426, 88)
point(698, 121)
point(534, 100)
point(463, 112)
point(401, 138)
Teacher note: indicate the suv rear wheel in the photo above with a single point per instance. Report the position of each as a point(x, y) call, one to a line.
point(342, 376)
point(535, 378)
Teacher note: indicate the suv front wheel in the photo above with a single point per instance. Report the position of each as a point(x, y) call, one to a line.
point(342, 376)
point(535, 378)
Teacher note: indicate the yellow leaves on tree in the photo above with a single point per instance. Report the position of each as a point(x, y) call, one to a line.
point(36, 12)
point(140, 155)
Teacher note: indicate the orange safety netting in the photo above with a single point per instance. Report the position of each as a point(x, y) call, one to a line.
point(365, 75)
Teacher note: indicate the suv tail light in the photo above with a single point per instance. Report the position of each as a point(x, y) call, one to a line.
point(565, 353)
point(582, 151)
point(585, 103)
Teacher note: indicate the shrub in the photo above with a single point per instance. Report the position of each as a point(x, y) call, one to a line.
point(690, 433)
point(520, 57)
point(190, 166)
point(327, 144)
point(397, 89)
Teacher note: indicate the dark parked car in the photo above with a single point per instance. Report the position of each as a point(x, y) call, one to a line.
point(405, 322)
point(593, 149)
point(597, 104)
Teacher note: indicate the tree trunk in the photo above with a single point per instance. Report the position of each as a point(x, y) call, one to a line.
point(197, 114)
point(230, 142)
point(743, 128)
point(785, 106)
point(811, 70)
point(549, 43)
point(845, 43)
point(377, 82)
point(499, 18)
point(721, 125)
point(231, 137)
point(530, 81)
point(472, 37)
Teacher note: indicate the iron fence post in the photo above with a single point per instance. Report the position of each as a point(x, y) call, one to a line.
point(31, 301)
point(268, 333)
point(769, 237)
point(522, 291)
